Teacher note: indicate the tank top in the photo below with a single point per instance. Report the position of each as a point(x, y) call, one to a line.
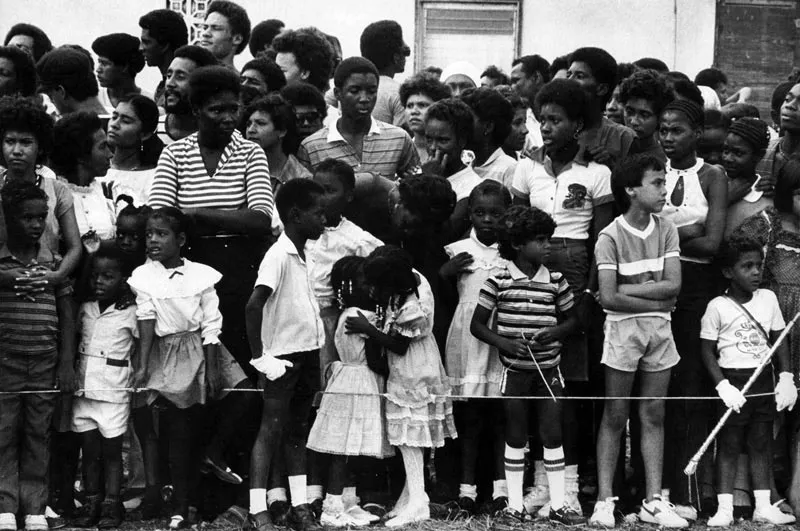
point(692, 208)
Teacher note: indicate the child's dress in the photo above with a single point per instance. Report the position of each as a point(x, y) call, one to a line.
point(418, 410)
point(473, 366)
point(351, 423)
point(185, 306)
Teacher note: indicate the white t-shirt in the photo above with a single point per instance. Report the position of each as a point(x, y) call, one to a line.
point(463, 182)
point(740, 344)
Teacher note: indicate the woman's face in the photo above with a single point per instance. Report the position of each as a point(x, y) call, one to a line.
point(558, 130)
point(125, 127)
point(416, 108)
point(20, 151)
point(677, 136)
point(218, 116)
point(99, 160)
point(519, 130)
point(262, 131)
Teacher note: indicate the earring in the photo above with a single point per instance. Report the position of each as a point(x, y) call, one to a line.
point(576, 134)
point(350, 287)
point(340, 299)
point(379, 313)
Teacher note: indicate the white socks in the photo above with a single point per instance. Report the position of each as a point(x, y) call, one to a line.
point(415, 476)
point(556, 478)
point(349, 497)
point(276, 494)
point(725, 502)
point(762, 499)
point(258, 501)
point(515, 470)
point(468, 491)
point(499, 489)
point(298, 490)
point(313, 492)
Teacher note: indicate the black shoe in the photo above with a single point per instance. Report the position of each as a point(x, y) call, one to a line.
point(111, 515)
point(88, 515)
point(301, 518)
point(566, 516)
point(279, 512)
point(221, 470)
point(495, 506)
point(261, 522)
point(467, 505)
point(152, 506)
point(508, 519)
point(56, 522)
point(316, 508)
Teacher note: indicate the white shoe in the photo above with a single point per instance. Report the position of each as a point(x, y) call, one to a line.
point(538, 497)
point(360, 514)
point(687, 512)
point(661, 513)
point(722, 518)
point(36, 522)
point(8, 522)
point(572, 501)
point(771, 514)
point(603, 514)
point(544, 511)
point(342, 519)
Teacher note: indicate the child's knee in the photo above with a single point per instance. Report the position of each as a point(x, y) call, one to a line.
point(651, 413)
point(615, 417)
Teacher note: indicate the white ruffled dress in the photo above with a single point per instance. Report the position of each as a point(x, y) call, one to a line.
point(473, 366)
point(419, 412)
point(350, 418)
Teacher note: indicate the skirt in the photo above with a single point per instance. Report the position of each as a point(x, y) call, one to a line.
point(177, 370)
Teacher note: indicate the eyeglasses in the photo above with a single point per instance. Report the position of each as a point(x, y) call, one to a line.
point(307, 117)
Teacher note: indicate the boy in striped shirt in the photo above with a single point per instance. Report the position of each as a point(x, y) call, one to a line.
point(639, 274)
point(534, 313)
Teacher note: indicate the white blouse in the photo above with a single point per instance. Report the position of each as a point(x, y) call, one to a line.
point(93, 210)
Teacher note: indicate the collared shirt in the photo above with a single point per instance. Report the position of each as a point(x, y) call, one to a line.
point(498, 167)
point(30, 327)
point(525, 306)
point(241, 179)
point(387, 150)
point(291, 321)
point(94, 212)
point(533, 140)
point(106, 335)
point(345, 239)
point(388, 107)
point(570, 197)
point(616, 139)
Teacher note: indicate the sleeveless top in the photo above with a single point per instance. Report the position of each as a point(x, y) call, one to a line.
point(693, 208)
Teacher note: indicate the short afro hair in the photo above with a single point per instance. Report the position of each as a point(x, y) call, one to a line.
point(72, 140)
point(646, 85)
point(426, 85)
point(490, 188)
point(732, 249)
point(15, 192)
point(282, 115)
point(624, 71)
point(567, 94)
point(24, 70)
point(273, 75)
point(429, 197)
point(197, 54)
point(351, 66)
point(300, 93)
point(534, 64)
point(296, 193)
point(122, 50)
point(165, 27)
point(629, 174)
point(454, 112)
point(651, 63)
point(209, 81)
point(23, 115)
point(491, 107)
point(71, 68)
point(559, 63)
point(341, 170)
point(494, 72)
point(311, 50)
point(601, 63)
point(520, 225)
point(710, 77)
point(263, 34)
point(380, 41)
point(237, 20)
point(686, 90)
point(41, 42)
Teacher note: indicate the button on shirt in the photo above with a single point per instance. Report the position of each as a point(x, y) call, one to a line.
point(291, 321)
point(570, 197)
point(106, 335)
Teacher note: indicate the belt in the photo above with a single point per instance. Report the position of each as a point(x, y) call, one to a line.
point(109, 361)
point(565, 242)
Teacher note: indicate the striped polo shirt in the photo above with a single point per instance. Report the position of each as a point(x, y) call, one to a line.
point(29, 327)
point(241, 179)
point(524, 307)
point(387, 151)
point(637, 256)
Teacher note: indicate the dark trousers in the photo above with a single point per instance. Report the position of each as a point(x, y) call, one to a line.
point(25, 431)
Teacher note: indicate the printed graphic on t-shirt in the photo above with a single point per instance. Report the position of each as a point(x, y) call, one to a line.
point(750, 340)
point(576, 196)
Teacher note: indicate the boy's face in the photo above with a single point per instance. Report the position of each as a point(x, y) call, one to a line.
point(441, 136)
point(651, 196)
point(20, 151)
point(336, 198)
point(107, 279)
point(485, 212)
point(535, 251)
point(29, 222)
point(641, 117)
point(746, 272)
point(311, 221)
point(712, 144)
point(109, 74)
point(738, 158)
point(558, 130)
point(358, 95)
point(217, 36)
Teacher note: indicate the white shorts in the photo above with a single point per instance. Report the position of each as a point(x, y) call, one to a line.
point(110, 418)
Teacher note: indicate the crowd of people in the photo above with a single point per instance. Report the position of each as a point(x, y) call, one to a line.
point(251, 294)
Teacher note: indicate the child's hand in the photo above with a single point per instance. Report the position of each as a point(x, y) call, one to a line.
point(358, 324)
point(270, 366)
point(518, 347)
point(456, 265)
point(66, 378)
point(733, 397)
point(546, 335)
point(785, 392)
point(91, 242)
point(139, 378)
point(30, 282)
point(667, 305)
point(436, 164)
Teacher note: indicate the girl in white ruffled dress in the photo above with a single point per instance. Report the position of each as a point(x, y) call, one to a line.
point(419, 412)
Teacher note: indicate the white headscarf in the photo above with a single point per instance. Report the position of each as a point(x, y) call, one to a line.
point(464, 68)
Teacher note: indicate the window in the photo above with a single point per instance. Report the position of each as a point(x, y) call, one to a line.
point(194, 13)
point(483, 33)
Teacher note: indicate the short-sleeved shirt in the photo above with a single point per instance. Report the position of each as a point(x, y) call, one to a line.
point(637, 256)
point(740, 344)
point(291, 321)
point(30, 327)
point(105, 348)
point(387, 151)
point(615, 138)
point(241, 179)
point(524, 307)
point(498, 167)
point(463, 181)
point(388, 107)
point(569, 197)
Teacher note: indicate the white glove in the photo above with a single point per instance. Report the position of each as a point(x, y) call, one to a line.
point(270, 366)
point(785, 392)
point(732, 397)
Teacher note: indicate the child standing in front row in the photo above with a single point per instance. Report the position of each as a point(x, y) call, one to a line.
point(639, 273)
point(179, 326)
point(473, 366)
point(534, 314)
point(737, 330)
point(108, 332)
